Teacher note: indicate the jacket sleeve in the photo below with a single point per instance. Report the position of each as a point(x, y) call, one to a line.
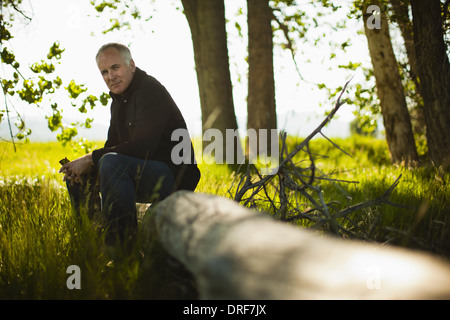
point(111, 141)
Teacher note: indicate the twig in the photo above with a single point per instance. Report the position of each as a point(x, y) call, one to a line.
point(334, 144)
point(247, 185)
point(381, 200)
point(299, 147)
point(332, 222)
point(7, 116)
point(289, 45)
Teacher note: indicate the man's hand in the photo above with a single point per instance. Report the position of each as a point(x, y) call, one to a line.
point(77, 168)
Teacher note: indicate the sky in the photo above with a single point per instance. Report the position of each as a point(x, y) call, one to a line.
point(162, 47)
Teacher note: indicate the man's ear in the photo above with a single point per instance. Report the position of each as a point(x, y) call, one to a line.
point(132, 65)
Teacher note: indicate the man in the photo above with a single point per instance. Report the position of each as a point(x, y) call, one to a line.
point(135, 163)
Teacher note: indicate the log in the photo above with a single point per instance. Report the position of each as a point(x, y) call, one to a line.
point(237, 253)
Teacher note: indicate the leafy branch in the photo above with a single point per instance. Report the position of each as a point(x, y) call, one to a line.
point(33, 90)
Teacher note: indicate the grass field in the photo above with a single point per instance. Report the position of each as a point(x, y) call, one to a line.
point(39, 237)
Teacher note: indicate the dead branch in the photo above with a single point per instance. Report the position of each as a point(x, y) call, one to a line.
point(245, 184)
point(299, 179)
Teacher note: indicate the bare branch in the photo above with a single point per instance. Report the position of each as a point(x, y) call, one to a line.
point(298, 179)
point(334, 144)
point(299, 147)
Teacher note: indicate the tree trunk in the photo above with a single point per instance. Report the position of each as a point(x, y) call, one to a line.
point(401, 15)
point(395, 113)
point(261, 86)
point(206, 19)
point(434, 75)
point(237, 253)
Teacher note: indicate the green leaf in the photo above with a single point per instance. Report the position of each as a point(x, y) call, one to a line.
point(66, 135)
point(7, 57)
point(54, 122)
point(91, 100)
point(57, 82)
point(104, 98)
point(74, 89)
point(43, 67)
point(29, 93)
point(87, 123)
point(55, 51)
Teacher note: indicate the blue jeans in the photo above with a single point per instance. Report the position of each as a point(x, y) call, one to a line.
point(125, 180)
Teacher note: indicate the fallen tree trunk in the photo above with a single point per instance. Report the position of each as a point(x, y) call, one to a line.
point(237, 253)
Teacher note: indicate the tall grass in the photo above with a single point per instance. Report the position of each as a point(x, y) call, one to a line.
point(40, 237)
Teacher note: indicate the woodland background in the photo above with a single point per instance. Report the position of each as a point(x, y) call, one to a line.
point(393, 190)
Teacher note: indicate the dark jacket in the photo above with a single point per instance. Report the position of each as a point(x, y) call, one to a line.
point(142, 122)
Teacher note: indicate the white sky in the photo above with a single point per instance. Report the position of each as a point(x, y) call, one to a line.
point(163, 48)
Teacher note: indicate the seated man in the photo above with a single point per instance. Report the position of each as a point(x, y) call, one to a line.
point(135, 163)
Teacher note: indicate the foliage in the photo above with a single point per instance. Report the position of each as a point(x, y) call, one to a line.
point(39, 89)
point(124, 13)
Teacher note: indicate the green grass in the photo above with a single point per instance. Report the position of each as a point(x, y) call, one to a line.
point(424, 192)
point(40, 238)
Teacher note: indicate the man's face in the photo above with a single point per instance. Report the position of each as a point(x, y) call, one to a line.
point(115, 70)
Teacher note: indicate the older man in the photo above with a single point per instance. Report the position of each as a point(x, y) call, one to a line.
point(135, 163)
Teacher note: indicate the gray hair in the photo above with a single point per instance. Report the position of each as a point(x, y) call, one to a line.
point(124, 50)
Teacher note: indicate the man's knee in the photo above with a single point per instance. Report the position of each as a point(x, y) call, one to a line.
point(108, 163)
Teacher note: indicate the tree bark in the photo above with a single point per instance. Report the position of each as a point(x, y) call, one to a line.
point(401, 16)
point(237, 253)
point(395, 113)
point(434, 75)
point(261, 87)
point(206, 20)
